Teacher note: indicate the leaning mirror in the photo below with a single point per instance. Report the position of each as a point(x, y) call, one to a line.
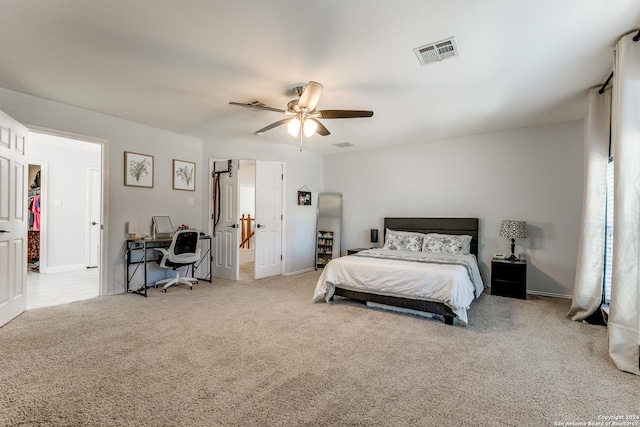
point(162, 227)
point(328, 228)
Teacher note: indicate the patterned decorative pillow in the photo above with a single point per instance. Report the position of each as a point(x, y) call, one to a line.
point(403, 241)
point(446, 244)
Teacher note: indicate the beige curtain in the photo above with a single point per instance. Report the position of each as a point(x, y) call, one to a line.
point(587, 290)
point(624, 315)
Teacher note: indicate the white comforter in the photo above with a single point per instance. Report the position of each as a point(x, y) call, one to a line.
point(451, 279)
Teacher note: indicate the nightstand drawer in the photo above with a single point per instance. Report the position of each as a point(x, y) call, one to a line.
point(509, 279)
point(510, 272)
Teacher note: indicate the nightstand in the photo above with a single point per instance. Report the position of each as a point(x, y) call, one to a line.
point(355, 251)
point(509, 278)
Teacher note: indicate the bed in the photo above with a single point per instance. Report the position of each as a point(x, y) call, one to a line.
point(412, 273)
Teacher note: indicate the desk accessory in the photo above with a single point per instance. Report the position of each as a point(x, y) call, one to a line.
point(133, 228)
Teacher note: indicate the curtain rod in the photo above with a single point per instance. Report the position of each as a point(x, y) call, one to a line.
point(601, 91)
point(636, 38)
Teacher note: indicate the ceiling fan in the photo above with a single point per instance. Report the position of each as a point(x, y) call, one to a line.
point(302, 116)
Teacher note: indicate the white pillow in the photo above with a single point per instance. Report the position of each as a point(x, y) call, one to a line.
point(447, 243)
point(403, 241)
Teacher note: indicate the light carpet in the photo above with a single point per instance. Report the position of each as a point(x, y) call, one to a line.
point(260, 353)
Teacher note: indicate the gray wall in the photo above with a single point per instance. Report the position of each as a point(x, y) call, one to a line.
point(302, 168)
point(123, 203)
point(131, 203)
point(532, 174)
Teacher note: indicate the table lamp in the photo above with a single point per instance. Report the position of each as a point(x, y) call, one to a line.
point(133, 228)
point(513, 230)
point(374, 236)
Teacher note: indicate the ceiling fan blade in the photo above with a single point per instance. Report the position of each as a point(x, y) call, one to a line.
point(310, 96)
point(259, 106)
point(321, 130)
point(344, 114)
point(271, 126)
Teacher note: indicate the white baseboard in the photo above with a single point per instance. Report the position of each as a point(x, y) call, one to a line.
point(65, 268)
point(293, 273)
point(550, 294)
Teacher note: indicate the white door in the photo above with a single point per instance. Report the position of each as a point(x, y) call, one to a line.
point(13, 218)
point(225, 238)
point(94, 226)
point(268, 222)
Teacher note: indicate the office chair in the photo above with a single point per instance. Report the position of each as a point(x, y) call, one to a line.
point(183, 251)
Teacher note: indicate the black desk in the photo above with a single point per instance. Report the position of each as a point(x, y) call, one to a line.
point(142, 246)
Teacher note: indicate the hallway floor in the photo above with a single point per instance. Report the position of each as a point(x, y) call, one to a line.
point(44, 290)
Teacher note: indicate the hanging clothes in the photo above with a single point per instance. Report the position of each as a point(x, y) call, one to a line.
point(34, 209)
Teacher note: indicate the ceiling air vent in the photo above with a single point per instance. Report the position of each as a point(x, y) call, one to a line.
point(344, 144)
point(438, 51)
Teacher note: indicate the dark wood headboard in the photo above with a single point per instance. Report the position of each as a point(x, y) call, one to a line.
point(468, 226)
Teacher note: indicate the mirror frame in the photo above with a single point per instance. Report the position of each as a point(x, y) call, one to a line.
point(160, 224)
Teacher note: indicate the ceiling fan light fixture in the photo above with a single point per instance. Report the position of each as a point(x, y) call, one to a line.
point(301, 116)
point(310, 96)
point(309, 128)
point(293, 127)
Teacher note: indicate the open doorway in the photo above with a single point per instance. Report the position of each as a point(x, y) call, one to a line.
point(247, 248)
point(247, 212)
point(64, 235)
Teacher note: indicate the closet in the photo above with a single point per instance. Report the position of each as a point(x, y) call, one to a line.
point(33, 213)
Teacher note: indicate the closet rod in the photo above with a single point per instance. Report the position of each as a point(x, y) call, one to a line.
point(601, 91)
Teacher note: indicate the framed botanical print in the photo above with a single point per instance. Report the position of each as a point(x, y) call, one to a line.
point(138, 169)
point(184, 175)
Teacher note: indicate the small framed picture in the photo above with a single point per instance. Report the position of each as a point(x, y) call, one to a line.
point(304, 198)
point(184, 175)
point(138, 169)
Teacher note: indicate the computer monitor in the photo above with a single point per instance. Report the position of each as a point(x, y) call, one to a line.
point(162, 227)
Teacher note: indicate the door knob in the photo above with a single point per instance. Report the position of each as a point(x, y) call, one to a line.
point(260, 226)
point(4, 231)
point(233, 226)
point(94, 223)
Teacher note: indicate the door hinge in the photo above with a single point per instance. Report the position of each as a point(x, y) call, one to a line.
point(282, 177)
point(281, 218)
point(280, 257)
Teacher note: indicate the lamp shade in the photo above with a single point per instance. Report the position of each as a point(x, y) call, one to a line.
point(133, 227)
point(293, 127)
point(513, 229)
point(309, 127)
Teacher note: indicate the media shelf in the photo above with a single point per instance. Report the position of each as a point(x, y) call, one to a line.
point(324, 251)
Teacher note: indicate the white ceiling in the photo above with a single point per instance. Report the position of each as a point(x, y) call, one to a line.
point(175, 64)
